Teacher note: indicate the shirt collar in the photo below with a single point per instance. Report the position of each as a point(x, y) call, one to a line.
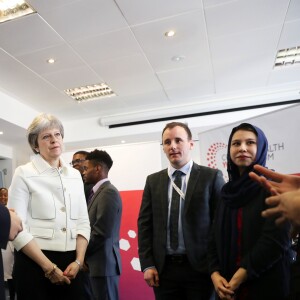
point(42, 165)
point(98, 184)
point(185, 169)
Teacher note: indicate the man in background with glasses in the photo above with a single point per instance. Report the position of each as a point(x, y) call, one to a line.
point(77, 163)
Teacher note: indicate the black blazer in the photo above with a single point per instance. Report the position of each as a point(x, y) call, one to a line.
point(4, 234)
point(265, 251)
point(202, 196)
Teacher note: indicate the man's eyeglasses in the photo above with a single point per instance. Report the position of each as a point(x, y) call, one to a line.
point(76, 161)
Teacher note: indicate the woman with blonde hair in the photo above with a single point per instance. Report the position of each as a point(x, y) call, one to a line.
point(48, 195)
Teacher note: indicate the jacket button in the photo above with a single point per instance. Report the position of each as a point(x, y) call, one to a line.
point(64, 229)
point(63, 209)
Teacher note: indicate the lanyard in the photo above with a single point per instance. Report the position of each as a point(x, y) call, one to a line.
point(177, 189)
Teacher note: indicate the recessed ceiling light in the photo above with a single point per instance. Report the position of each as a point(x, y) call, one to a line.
point(123, 142)
point(287, 57)
point(51, 61)
point(12, 9)
point(90, 92)
point(1, 132)
point(178, 58)
point(170, 33)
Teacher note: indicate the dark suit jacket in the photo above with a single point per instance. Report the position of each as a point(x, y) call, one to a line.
point(4, 234)
point(202, 196)
point(103, 252)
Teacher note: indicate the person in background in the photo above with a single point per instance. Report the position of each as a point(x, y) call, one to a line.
point(285, 207)
point(11, 225)
point(249, 255)
point(175, 218)
point(3, 196)
point(78, 160)
point(8, 253)
point(105, 211)
point(48, 195)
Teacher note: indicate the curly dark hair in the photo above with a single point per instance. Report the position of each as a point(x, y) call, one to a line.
point(100, 157)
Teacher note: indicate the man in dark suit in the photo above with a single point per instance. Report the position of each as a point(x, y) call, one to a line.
point(105, 211)
point(173, 248)
point(10, 225)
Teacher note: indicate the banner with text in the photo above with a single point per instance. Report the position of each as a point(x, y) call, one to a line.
point(281, 129)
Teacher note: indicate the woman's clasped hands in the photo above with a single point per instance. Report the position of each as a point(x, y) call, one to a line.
point(56, 276)
point(222, 286)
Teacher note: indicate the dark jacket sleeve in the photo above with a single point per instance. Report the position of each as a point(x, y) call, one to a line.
point(216, 193)
point(145, 229)
point(213, 255)
point(4, 226)
point(272, 242)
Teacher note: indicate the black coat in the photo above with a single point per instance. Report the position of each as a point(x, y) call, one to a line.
point(265, 251)
point(4, 234)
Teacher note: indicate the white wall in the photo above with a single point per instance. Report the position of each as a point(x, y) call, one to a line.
point(6, 168)
point(132, 163)
point(6, 163)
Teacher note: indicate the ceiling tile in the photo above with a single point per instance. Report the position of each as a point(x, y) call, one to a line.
point(242, 16)
point(229, 49)
point(288, 74)
point(65, 58)
point(193, 82)
point(141, 11)
point(107, 46)
point(244, 61)
point(294, 11)
point(150, 100)
point(189, 41)
point(71, 78)
point(27, 34)
point(83, 19)
point(290, 35)
point(129, 66)
point(142, 84)
point(43, 6)
point(208, 3)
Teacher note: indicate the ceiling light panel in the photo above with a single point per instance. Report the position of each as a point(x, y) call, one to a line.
point(90, 92)
point(288, 57)
point(12, 9)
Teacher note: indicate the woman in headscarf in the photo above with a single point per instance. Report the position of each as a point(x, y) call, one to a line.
point(249, 255)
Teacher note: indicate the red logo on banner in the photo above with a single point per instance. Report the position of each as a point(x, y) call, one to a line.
point(217, 158)
point(212, 154)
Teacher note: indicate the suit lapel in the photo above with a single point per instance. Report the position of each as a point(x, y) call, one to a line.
point(97, 193)
point(193, 180)
point(163, 187)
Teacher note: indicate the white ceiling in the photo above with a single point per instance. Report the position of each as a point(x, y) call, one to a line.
point(229, 48)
